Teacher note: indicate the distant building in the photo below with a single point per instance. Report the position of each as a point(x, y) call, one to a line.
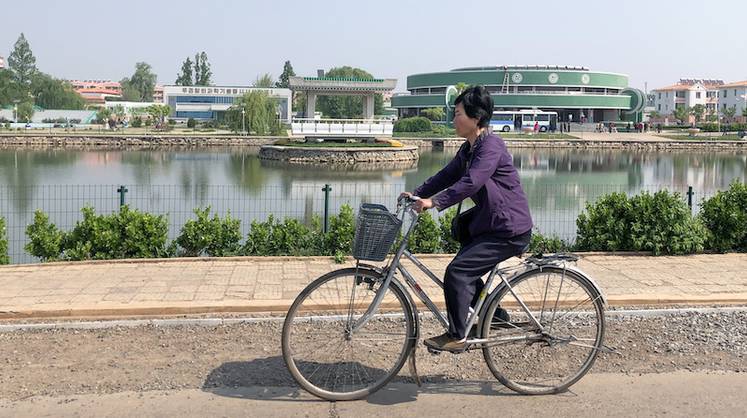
point(687, 93)
point(211, 102)
point(2, 62)
point(733, 95)
point(97, 91)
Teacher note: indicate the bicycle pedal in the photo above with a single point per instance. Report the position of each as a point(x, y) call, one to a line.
point(433, 351)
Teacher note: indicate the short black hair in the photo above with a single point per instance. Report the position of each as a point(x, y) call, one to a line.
point(477, 104)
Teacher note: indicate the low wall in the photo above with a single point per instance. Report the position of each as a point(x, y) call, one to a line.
point(129, 141)
point(335, 155)
point(627, 144)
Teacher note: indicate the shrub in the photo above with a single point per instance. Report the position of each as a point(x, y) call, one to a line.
point(660, 223)
point(339, 238)
point(215, 237)
point(137, 122)
point(290, 237)
point(416, 124)
point(191, 123)
point(548, 244)
point(4, 259)
point(45, 240)
point(425, 238)
point(604, 225)
point(725, 217)
point(448, 244)
point(126, 234)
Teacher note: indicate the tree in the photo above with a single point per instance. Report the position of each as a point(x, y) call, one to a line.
point(259, 117)
point(158, 112)
point(682, 114)
point(185, 78)
point(654, 115)
point(729, 113)
point(202, 70)
point(264, 81)
point(284, 81)
point(460, 86)
point(744, 112)
point(51, 93)
point(141, 85)
point(25, 111)
point(10, 91)
point(22, 62)
point(698, 111)
point(347, 107)
point(434, 113)
point(103, 115)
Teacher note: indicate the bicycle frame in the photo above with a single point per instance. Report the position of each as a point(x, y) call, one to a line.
point(412, 283)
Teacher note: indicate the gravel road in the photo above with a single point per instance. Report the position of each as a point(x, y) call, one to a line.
point(59, 362)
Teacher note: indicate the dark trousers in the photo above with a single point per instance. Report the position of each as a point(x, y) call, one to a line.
point(463, 280)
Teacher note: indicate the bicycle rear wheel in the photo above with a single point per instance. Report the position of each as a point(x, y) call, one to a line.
point(329, 360)
point(534, 362)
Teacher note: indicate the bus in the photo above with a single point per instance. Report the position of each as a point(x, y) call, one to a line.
point(507, 121)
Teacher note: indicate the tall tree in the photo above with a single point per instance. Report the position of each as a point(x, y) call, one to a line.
point(22, 62)
point(10, 91)
point(185, 78)
point(259, 115)
point(203, 74)
point(264, 81)
point(284, 81)
point(143, 82)
point(347, 107)
point(51, 93)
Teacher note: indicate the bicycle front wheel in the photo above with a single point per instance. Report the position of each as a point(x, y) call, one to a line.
point(533, 361)
point(326, 356)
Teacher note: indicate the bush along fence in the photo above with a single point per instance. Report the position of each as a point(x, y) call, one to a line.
point(660, 223)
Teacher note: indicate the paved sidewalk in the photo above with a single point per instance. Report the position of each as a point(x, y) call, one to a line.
point(269, 284)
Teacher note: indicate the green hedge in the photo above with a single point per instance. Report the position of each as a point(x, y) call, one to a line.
point(660, 223)
point(4, 259)
point(416, 124)
point(725, 216)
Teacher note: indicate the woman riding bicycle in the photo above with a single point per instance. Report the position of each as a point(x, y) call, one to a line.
point(498, 227)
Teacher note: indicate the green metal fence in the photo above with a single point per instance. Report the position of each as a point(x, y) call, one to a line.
point(554, 207)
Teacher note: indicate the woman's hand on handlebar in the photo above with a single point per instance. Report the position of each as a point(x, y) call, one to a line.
point(418, 203)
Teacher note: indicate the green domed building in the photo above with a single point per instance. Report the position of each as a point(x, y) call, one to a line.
point(576, 93)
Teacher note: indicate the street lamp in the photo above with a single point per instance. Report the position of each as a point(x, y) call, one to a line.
point(243, 120)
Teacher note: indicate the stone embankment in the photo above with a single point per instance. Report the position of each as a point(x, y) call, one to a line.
point(130, 141)
point(338, 155)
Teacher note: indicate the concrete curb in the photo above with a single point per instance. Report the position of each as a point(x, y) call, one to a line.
point(281, 306)
point(217, 321)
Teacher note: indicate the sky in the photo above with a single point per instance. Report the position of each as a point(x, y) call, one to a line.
point(654, 42)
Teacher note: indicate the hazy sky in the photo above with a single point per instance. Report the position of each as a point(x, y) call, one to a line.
point(652, 41)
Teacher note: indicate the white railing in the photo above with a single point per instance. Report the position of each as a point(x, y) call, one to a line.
point(341, 127)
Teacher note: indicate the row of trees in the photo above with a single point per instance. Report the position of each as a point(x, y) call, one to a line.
point(23, 86)
point(699, 112)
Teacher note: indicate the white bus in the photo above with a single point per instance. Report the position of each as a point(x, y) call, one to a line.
point(507, 121)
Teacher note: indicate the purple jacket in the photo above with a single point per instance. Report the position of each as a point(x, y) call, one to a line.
point(491, 181)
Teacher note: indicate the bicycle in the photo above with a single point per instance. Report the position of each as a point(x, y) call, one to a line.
point(351, 331)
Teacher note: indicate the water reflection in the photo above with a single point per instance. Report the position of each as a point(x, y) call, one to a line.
point(558, 182)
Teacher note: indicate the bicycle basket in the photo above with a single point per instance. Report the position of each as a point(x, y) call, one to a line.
point(375, 232)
